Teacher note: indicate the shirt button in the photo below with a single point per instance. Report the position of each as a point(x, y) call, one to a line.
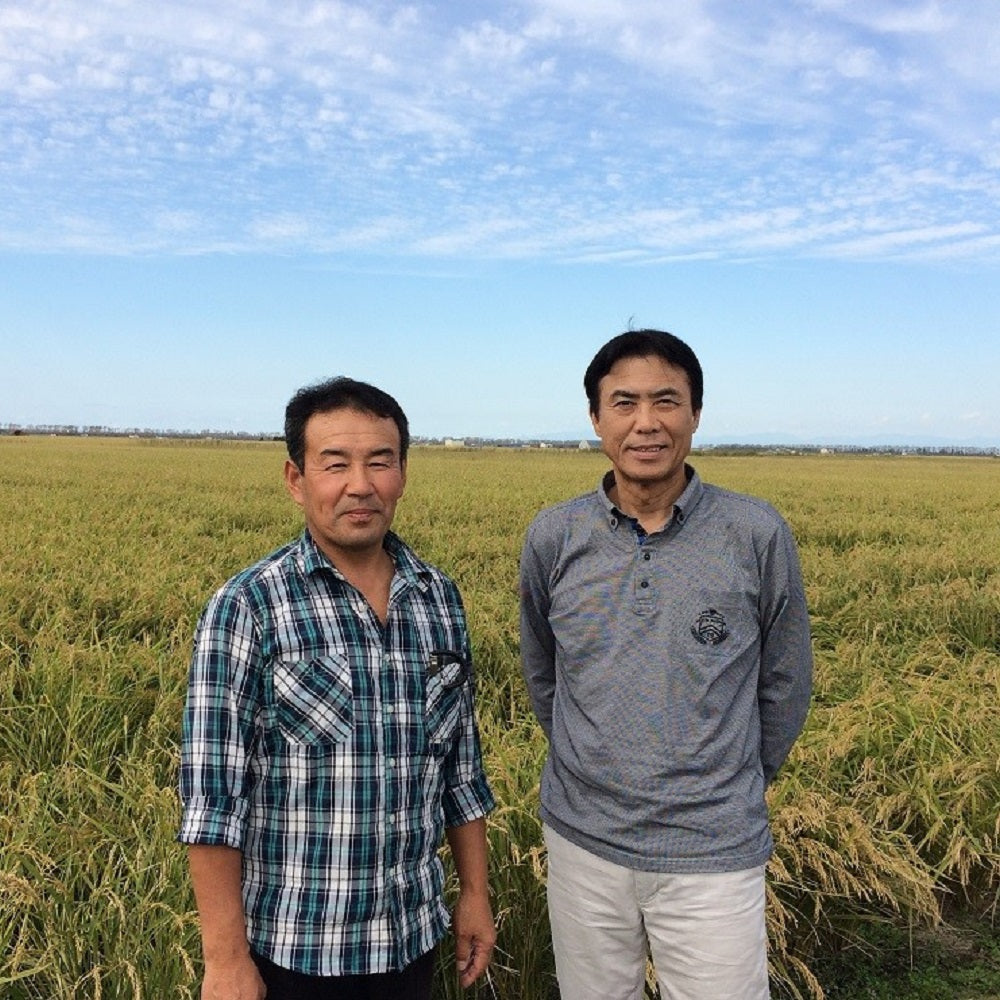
point(389, 709)
point(646, 556)
point(644, 584)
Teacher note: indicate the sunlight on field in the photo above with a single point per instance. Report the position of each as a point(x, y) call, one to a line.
point(887, 808)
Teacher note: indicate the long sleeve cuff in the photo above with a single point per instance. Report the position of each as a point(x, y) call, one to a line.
point(467, 802)
point(213, 820)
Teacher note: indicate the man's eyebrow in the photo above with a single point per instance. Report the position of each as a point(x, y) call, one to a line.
point(387, 451)
point(654, 394)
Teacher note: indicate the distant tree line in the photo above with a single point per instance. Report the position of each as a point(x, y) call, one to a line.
point(848, 449)
point(101, 430)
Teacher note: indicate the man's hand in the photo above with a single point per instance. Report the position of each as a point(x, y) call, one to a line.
point(475, 935)
point(475, 932)
point(235, 980)
point(230, 972)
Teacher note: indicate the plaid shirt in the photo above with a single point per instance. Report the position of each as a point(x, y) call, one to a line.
point(315, 742)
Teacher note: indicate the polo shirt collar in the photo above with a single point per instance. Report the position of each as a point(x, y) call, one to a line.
point(683, 505)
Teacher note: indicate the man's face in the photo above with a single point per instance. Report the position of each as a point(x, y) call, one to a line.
point(646, 421)
point(352, 480)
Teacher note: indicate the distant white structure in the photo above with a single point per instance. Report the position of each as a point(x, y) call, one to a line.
point(584, 446)
point(454, 443)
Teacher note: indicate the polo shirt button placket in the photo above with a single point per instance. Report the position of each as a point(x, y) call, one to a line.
point(644, 592)
point(647, 556)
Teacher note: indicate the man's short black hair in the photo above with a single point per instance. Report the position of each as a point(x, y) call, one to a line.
point(643, 344)
point(340, 393)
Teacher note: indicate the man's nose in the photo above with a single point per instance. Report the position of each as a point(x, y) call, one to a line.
point(359, 482)
point(645, 417)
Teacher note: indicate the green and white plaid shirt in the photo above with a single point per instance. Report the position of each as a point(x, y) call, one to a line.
point(315, 742)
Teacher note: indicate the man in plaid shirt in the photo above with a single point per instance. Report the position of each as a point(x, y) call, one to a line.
point(330, 741)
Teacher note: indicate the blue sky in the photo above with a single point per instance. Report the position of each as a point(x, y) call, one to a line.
point(206, 205)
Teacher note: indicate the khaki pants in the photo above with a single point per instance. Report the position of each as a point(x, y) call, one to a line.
point(705, 932)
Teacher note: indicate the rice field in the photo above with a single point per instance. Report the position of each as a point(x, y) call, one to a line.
point(887, 811)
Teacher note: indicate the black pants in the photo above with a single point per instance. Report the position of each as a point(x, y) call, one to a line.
point(412, 983)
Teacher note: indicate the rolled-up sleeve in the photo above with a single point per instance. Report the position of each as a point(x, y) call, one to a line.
point(218, 724)
point(467, 795)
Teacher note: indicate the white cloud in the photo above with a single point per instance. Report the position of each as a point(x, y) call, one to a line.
point(177, 222)
point(489, 43)
point(857, 64)
point(545, 127)
point(470, 236)
point(279, 228)
point(877, 245)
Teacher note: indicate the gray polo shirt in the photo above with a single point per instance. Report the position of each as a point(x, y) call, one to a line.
point(671, 673)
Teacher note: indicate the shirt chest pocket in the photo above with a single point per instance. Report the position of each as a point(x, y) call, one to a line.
point(720, 626)
point(313, 699)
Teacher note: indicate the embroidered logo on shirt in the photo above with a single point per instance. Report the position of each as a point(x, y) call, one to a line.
point(710, 628)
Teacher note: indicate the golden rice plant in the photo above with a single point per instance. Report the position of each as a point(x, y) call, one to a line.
point(887, 809)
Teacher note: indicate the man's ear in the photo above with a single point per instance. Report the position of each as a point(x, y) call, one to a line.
point(293, 481)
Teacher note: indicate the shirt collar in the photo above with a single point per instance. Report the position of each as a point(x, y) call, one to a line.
point(683, 505)
point(411, 569)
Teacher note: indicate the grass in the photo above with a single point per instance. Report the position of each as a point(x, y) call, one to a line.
point(960, 962)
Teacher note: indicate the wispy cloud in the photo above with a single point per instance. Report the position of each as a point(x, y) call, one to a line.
point(600, 131)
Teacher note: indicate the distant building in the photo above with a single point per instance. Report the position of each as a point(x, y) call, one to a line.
point(584, 446)
point(454, 443)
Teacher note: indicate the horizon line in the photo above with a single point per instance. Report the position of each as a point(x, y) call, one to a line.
point(775, 441)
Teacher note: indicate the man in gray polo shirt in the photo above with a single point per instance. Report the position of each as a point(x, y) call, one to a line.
point(665, 646)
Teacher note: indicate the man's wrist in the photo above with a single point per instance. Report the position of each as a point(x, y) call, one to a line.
point(232, 952)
